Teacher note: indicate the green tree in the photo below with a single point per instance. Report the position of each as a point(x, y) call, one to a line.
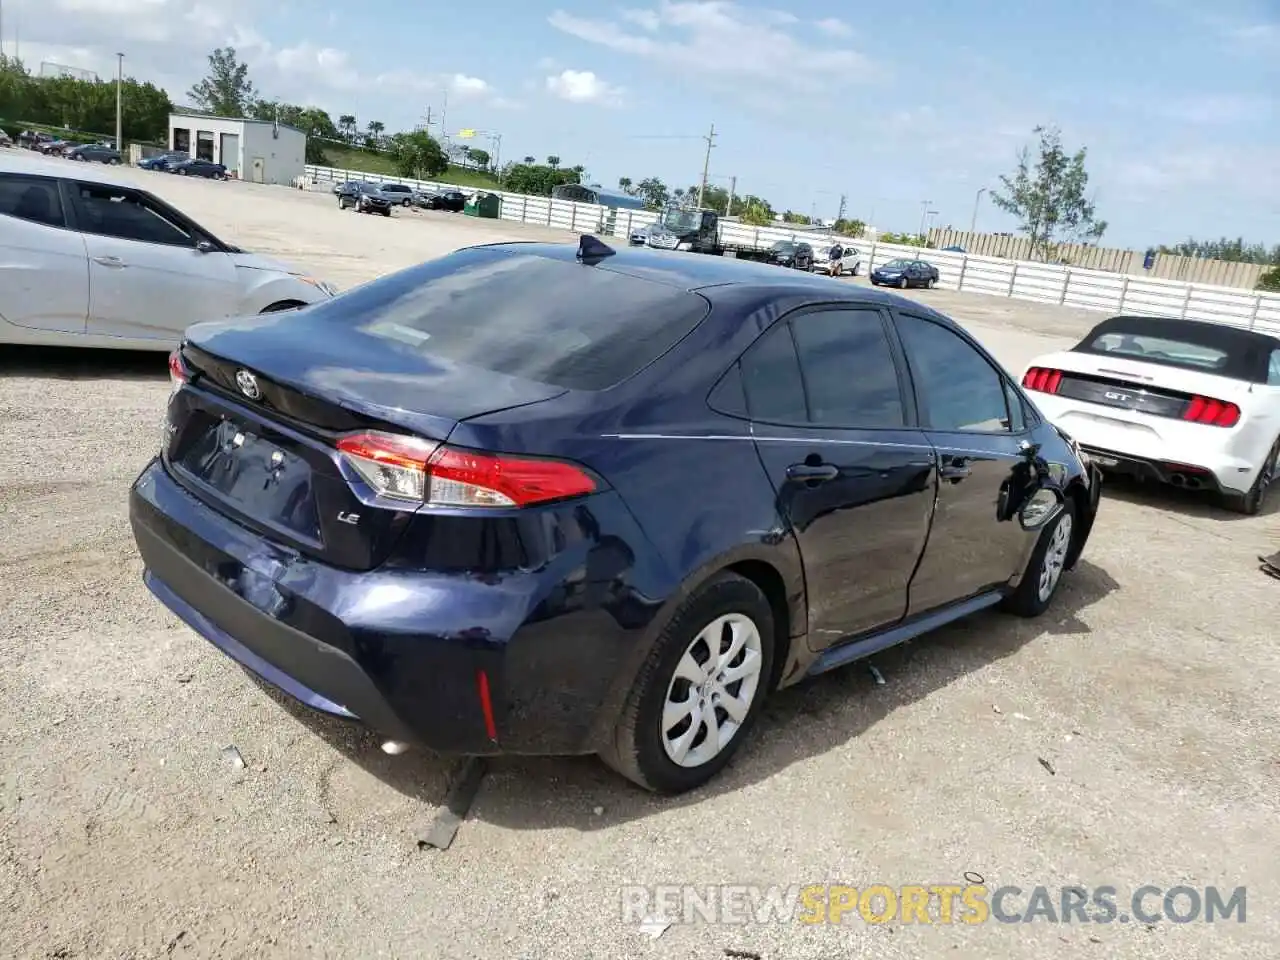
point(1270, 280)
point(536, 179)
point(790, 216)
point(850, 228)
point(654, 191)
point(226, 91)
point(1047, 194)
point(625, 184)
point(553, 161)
point(347, 124)
point(480, 158)
point(756, 213)
point(417, 155)
point(1233, 251)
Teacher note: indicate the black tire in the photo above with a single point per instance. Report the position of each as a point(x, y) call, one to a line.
point(407, 202)
point(932, 283)
point(182, 173)
point(387, 212)
point(1250, 504)
point(342, 203)
point(1026, 600)
point(636, 750)
point(114, 162)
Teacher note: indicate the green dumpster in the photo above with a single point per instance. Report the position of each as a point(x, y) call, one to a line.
point(487, 205)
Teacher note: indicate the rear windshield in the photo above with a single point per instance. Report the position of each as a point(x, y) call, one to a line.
point(1173, 353)
point(523, 315)
point(396, 187)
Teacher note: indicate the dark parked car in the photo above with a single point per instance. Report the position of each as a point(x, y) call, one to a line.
point(456, 503)
point(454, 200)
point(905, 273)
point(398, 193)
point(788, 253)
point(364, 198)
point(95, 153)
point(163, 160)
point(195, 167)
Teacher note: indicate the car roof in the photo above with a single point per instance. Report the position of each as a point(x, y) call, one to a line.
point(714, 277)
point(37, 165)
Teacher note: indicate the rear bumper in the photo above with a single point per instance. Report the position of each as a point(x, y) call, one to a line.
point(403, 652)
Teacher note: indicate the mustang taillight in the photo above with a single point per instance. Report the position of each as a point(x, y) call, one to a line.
point(1217, 413)
point(1042, 379)
point(422, 471)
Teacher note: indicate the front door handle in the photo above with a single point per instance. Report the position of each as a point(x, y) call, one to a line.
point(110, 261)
point(812, 471)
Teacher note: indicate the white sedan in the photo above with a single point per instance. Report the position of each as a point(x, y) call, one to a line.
point(836, 259)
point(91, 260)
point(1184, 402)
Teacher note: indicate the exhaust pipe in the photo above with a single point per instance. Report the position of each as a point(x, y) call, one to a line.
point(1178, 480)
point(1194, 483)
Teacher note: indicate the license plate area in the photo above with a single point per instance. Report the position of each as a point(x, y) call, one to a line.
point(254, 476)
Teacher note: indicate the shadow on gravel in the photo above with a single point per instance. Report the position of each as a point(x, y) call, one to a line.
point(1200, 504)
point(798, 723)
point(81, 363)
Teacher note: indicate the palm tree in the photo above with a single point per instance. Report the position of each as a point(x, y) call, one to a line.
point(347, 124)
point(624, 184)
point(530, 161)
point(553, 161)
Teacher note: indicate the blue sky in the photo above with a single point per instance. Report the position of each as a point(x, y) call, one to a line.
point(889, 105)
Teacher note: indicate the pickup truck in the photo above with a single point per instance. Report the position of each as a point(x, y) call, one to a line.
point(698, 231)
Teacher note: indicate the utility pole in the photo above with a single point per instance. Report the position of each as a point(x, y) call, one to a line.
point(973, 223)
point(924, 212)
point(119, 112)
point(444, 112)
point(733, 186)
point(843, 200)
point(706, 164)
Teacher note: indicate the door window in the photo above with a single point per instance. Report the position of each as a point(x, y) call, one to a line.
point(960, 389)
point(31, 198)
point(849, 373)
point(1273, 369)
point(117, 212)
point(771, 378)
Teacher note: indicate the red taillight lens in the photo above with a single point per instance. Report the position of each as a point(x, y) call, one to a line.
point(407, 468)
point(1216, 413)
point(177, 369)
point(1042, 380)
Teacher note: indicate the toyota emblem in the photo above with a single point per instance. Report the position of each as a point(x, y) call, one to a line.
point(248, 384)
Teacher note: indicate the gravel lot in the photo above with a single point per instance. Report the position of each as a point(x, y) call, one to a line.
point(1150, 690)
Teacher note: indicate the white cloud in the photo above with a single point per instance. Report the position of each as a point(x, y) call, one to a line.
point(834, 27)
point(166, 42)
point(583, 86)
point(721, 40)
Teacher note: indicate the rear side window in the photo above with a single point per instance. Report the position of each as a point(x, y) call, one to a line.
point(848, 368)
point(771, 378)
point(522, 315)
point(31, 198)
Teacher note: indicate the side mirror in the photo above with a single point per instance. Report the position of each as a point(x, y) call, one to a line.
point(204, 246)
point(1041, 507)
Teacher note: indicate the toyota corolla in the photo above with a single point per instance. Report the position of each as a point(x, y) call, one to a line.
point(532, 499)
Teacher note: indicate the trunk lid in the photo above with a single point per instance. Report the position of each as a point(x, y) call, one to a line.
point(255, 435)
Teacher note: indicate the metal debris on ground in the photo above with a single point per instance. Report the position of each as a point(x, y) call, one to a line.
point(1047, 765)
point(876, 674)
point(232, 756)
point(462, 793)
point(654, 927)
point(742, 954)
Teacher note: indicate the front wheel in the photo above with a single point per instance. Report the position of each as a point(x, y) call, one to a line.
point(1045, 568)
point(182, 173)
point(932, 283)
point(387, 212)
point(902, 284)
point(698, 694)
point(114, 162)
point(406, 203)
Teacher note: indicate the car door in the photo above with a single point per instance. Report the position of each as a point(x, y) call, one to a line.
point(147, 279)
point(854, 477)
point(44, 266)
point(964, 402)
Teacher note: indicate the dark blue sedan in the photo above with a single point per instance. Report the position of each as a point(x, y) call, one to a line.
point(529, 499)
point(195, 167)
point(905, 273)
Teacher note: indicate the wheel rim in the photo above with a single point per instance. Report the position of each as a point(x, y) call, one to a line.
point(903, 283)
point(714, 687)
point(1055, 557)
point(1268, 474)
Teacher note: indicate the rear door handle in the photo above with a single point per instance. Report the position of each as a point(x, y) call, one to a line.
point(812, 471)
point(110, 261)
point(954, 472)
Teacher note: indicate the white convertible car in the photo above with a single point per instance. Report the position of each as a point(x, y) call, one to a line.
point(1184, 402)
point(89, 259)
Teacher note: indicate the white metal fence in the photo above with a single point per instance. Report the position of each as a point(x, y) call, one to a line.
point(1098, 290)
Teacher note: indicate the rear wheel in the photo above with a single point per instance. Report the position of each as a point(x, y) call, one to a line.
point(1044, 570)
point(386, 212)
point(932, 283)
point(700, 691)
point(406, 202)
point(1251, 503)
point(902, 284)
point(182, 173)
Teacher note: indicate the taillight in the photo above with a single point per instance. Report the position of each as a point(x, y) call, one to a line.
point(1217, 413)
point(177, 369)
point(1042, 379)
point(421, 471)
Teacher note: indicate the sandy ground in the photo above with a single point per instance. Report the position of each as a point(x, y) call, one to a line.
point(1150, 691)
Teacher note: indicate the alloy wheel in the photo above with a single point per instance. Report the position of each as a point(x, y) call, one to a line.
point(1055, 557)
point(715, 684)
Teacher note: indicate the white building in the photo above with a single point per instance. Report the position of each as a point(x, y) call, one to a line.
point(256, 150)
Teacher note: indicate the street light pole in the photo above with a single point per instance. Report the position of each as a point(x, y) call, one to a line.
point(119, 111)
point(973, 223)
